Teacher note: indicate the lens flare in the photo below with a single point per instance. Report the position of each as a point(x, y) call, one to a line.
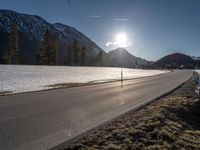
point(121, 40)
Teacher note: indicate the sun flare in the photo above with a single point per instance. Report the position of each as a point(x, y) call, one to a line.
point(121, 40)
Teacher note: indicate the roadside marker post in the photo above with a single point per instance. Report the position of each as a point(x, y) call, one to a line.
point(121, 68)
point(198, 91)
point(121, 77)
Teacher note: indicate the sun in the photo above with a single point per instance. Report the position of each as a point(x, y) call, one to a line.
point(121, 40)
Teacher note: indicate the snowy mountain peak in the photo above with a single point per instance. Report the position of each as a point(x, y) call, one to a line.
point(62, 27)
point(32, 28)
point(195, 57)
point(32, 24)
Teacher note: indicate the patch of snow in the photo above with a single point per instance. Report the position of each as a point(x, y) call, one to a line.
point(195, 57)
point(198, 87)
point(198, 71)
point(22, 78)
point(199, 74)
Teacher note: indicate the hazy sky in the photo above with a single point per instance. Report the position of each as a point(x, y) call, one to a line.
point(154, 28)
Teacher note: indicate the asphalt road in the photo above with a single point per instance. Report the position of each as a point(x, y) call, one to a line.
point(42, 120)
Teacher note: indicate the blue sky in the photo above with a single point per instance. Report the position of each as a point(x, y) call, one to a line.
point(153, 27)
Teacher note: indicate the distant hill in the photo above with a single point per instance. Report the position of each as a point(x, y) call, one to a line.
point(121, 57)
point(31, 30)
point(175, 60)
point(196, 58)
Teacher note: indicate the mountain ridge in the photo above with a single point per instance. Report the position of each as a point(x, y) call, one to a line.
point(32, 29)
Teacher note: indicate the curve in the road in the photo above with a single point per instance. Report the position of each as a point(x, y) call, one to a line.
point(42, 120)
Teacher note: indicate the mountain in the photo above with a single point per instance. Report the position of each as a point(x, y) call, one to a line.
point(175, 60)
point(121, 57)
point(31, 30)
point(70, 34)
point(196, 58)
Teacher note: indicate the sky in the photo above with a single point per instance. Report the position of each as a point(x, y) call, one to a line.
point(150, 28)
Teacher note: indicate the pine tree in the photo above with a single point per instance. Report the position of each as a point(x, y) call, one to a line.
point(65, 58)
point(42, 58)
point(100, 58)
point(13, 54)
point(70, 56)
point(76, 52)
point(22, 59)
point(47, 53)
point(52, 50)
point(83, 56)
point(43, 50)
point(136, 62)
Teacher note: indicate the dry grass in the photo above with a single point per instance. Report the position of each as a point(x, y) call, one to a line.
point(67, 85)
point(172, 122)
point(2, 93)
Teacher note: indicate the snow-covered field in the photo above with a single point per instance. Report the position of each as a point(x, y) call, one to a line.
point(198, 71)
point(19, 78)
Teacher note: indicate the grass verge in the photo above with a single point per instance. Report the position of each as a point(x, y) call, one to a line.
point(2, 93)
point(67, 85)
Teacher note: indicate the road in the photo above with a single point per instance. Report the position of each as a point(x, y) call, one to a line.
point(42, 120)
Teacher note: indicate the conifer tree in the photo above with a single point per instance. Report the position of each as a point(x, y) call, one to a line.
point(41, 55)
point(70, 56)
point(100, 58)
point(65, 58)
point(47, 54)
point(13, 54)
point(76, 51)
point(52, 50)
point(83, 56)
point(43, 50)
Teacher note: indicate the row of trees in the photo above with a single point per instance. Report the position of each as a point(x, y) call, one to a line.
point(47, 53)
point(76, 55)
point(48, 50)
